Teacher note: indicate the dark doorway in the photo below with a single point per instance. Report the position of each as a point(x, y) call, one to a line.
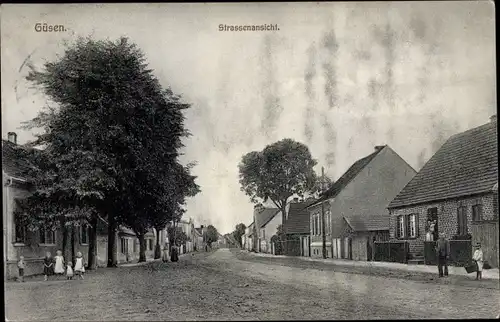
point(432, 222)
point(368, 249)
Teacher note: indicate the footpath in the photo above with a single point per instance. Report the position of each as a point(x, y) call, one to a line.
point(488, 274)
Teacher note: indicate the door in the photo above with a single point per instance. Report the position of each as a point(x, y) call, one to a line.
point(368, 249)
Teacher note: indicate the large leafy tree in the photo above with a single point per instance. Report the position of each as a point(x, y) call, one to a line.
point(112, 136)
point(239, 232)
point(283, 169)
point(211, 235)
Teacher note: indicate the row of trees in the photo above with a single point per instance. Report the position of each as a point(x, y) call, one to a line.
point(109, 148)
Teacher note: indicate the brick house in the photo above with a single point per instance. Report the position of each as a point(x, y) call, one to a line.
point(297, 223)
point(455, 193)
point(356, 205)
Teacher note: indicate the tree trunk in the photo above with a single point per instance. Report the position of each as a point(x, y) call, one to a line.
point(142, 248)
point(65, 246)
point(157, 247)
point(73, 242)
point(92, 255)
point(112, 261)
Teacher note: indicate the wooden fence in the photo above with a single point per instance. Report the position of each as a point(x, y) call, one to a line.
point(290, 247)
point(460, 252)
point(486, 233)
point(391, 251)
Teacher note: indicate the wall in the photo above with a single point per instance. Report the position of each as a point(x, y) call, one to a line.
point(270, 230)
point(371, 191)
point(447, 217)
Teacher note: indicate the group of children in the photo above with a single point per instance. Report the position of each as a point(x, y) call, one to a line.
point(56, 265)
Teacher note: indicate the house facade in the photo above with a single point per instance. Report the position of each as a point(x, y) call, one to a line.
point(455, 193)
point(19, 241)
point(297, 224)
point(355, 205)
point(268, 229)
point(247, 238)
point(262, 216)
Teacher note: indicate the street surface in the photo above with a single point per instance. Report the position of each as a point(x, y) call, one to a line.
point(232, 285)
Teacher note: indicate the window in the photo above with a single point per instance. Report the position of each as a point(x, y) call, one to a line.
point(413, 226)
point(47, 236)
point(318, 225)
point(407, 226)
point(84, 235)
point(124, 245)
point(134, 246)
point(263, 231)
point(150, 244)
point(20, 230)
point(328, 223)
point(477, 212)
point(462, 221)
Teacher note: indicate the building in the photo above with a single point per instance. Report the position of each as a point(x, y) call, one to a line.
point(187, 226)
point(356, 205)
point(455, 193)
point(248, 242)
point(197, 239)
point(268, 228)
point(297, 223)
point(19, 241)
point(262, 216)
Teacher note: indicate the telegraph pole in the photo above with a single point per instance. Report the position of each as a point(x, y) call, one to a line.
point(323, 212)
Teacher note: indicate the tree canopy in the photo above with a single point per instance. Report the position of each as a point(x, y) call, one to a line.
point(211, 234)
point(239, 232)
point(112, 137)
point(283, 169)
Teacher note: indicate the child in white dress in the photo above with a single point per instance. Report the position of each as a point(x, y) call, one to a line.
point(59, 264)
point(478, 258)
point(79, 265)
point(69, 271)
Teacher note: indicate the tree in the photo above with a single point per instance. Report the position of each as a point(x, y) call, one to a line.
point(176, 236)
point(211, 235)
point(239, 232)
point(112, 136)
point(283, 169)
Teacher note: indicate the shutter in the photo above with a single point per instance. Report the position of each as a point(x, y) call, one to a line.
point(397, 228)
point(459, 221)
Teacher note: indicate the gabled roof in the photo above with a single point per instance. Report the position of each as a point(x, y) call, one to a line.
point(349, 175)
point(298, 221)
point(466, 164)
point(265, 215)
point(371, 223)
point(14, 160)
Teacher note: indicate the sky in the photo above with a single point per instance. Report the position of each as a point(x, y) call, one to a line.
point(340, 77)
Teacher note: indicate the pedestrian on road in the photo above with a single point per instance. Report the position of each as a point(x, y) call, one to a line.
point(443, 254)
point(59, 269)
point(79, 265)
point(20, 265)
point(48, 265)
point(69, 271)
point(175, 255)
point(478, 258)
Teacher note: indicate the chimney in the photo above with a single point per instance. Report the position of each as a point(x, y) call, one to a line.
point(379, 147)
point(12, 137)
point(201, 226)
point(493, 118)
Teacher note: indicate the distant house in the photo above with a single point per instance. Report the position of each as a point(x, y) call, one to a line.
point(269, 228)
point(356, 212)
point(297, 223)
point(128, 245)
point(199, 241)
point(248, 242)
point(455, 193)
point(262, 216)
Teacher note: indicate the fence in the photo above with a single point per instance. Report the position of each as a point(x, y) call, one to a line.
point(290, 247)
point(486, 233)
point(460, 252)
point(391, 251)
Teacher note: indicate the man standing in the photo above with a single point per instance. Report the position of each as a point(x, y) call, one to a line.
point(443, 254)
